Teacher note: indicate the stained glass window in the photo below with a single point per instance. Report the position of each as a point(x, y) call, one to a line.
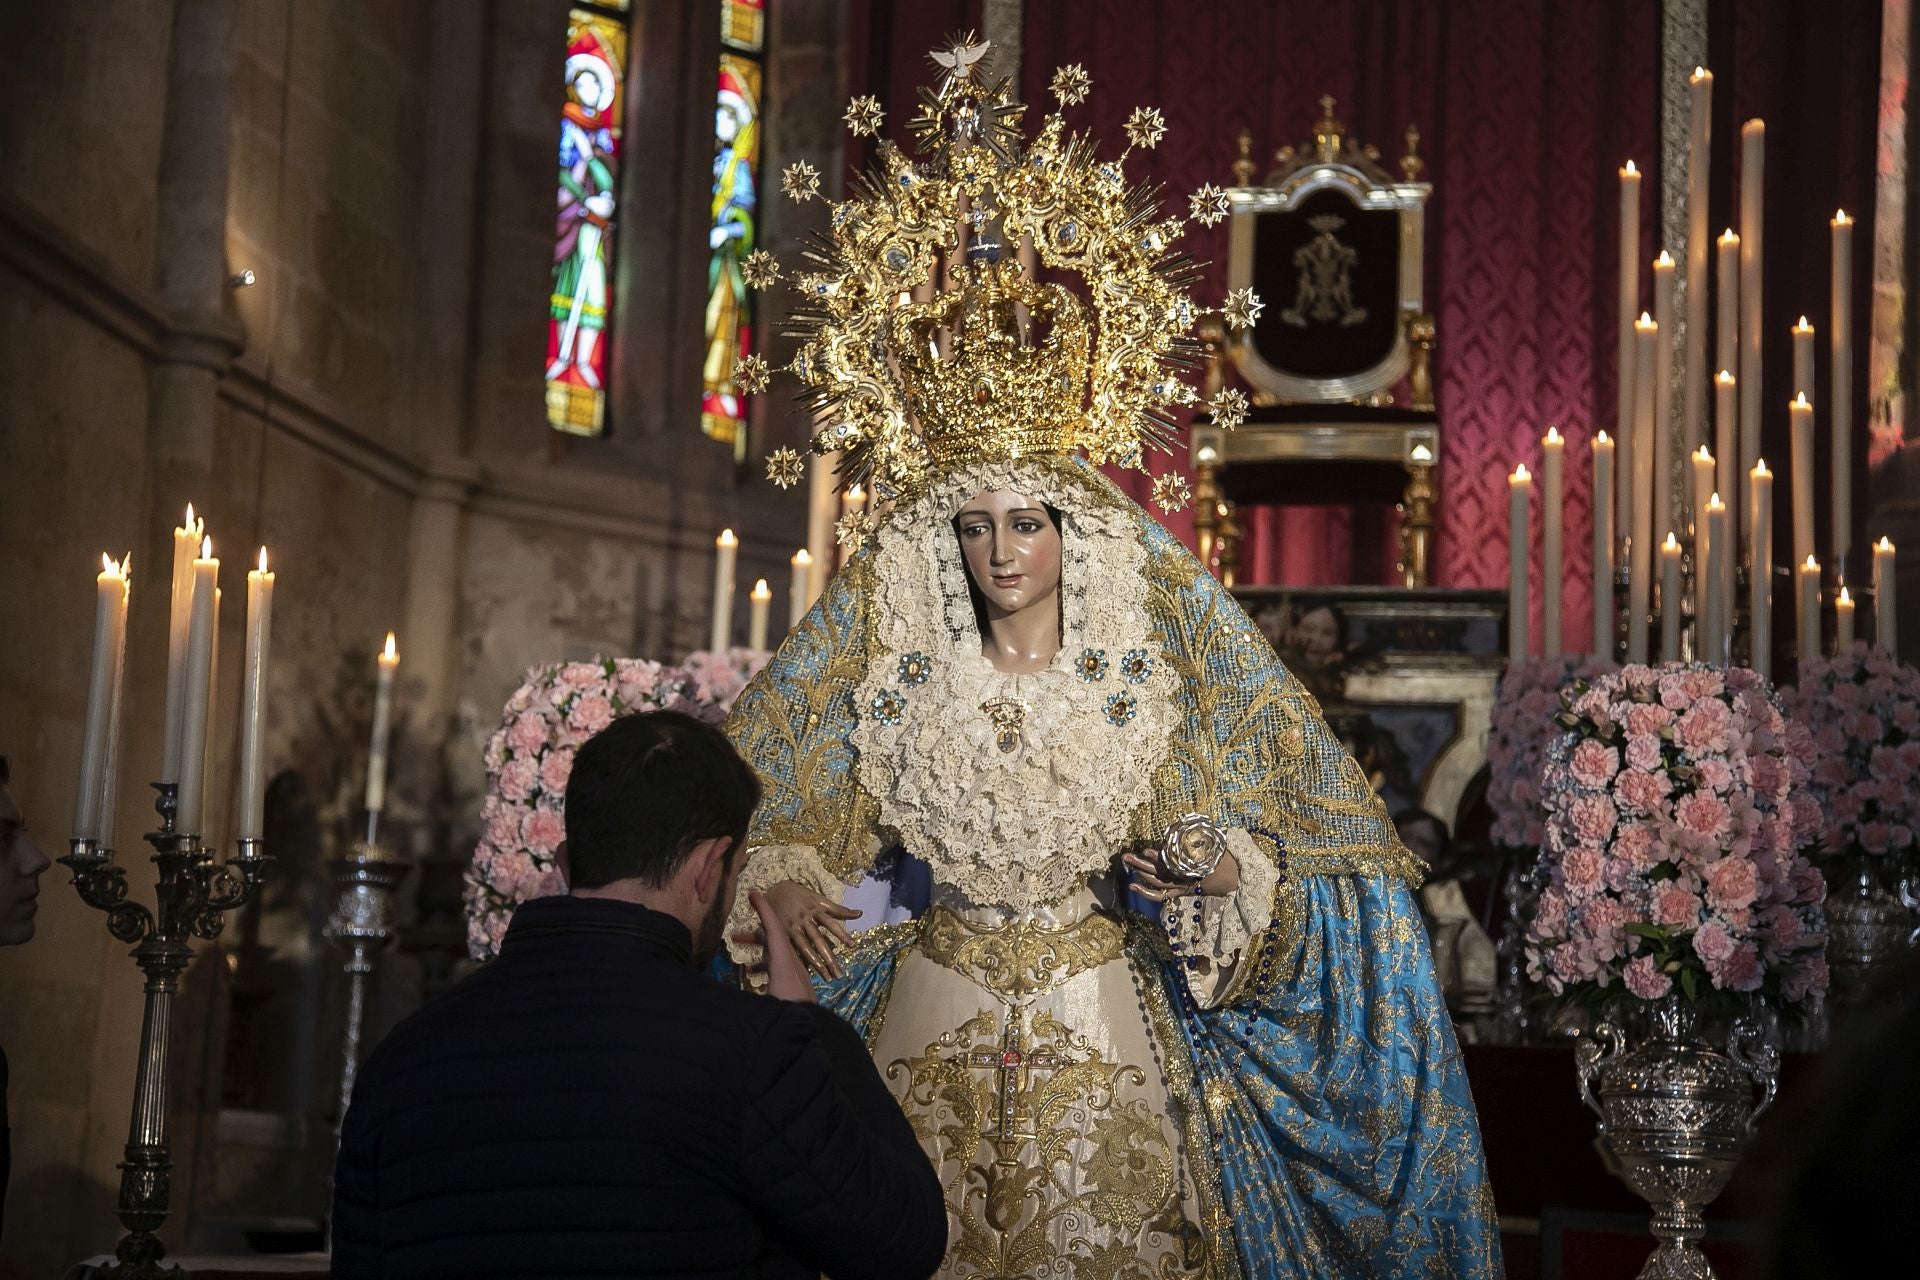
point(580, 319)
point(731, 234)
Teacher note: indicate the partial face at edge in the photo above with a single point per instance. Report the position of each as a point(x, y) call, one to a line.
point(1012, 549)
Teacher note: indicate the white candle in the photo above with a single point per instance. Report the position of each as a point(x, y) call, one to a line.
point(1800, 436)
point(109, 640)
point(1519, 490)
point(186, 541)
point(800, 591)
point(1726, 323)
point(1809, 608)
point(759, 604)
point(726, 547)
point(195, 680)
point(1803, 358)
point(110, 773)
point(1885, 619)
point(385, 665)
point(1753, 160)
point(1760, 575)
point(1603, 621)
point(1842, 621)
point(1629, 306)
point(1663, 276)
point(1726, 413)
point(1719, 545)
point(1670, 599)
point(1640, 534)
point(1840, 388)
point(253, 701)
point(1552, 446)
point(213, 710)
point(819, 524)
point(1699, 158)
point(1703, 487)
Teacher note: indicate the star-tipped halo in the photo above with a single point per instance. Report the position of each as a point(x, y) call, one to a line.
point(1229, 408)
point(1208, 205)
point(853, 530)
point(1071, 85)
point(864, 115)
point(750, 374)
point(1145, 127)
point(759, 269)
point(1171, 492)
point(785, 468)
point(1243, 307)
point(800, 181)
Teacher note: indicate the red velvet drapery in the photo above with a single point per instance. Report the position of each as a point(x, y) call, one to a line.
point(1526, 109)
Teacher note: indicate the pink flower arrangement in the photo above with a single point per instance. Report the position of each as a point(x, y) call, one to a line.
point(1521, 731)
point(529, 758)
point(1860, 710)
point(1676, 808)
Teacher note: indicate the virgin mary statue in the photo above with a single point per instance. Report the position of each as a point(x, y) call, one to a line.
point(1170, 1010)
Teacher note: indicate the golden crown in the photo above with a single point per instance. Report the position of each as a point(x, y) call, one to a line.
point(925, 345)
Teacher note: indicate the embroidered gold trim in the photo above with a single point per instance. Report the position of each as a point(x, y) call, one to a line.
point(1021, 960)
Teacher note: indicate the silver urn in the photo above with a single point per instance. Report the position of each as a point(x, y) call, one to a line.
point(1868, 927)
point(1675, 1115)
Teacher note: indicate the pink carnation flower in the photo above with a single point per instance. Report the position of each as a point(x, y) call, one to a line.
point(1644, 979)
point(1731, 884)
point(1593, 763)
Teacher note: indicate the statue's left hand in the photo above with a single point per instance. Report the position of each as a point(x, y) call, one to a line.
point(1152, 880)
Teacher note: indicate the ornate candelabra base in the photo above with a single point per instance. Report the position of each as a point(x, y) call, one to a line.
point(362, 926)
point(191, 899)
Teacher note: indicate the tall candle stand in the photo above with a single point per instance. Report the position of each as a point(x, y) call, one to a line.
point(362, 926)
point(191, 899)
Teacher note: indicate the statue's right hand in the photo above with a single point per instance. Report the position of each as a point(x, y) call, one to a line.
point(814, 922)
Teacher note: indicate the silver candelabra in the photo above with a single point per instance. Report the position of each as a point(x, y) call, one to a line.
point(190, 901)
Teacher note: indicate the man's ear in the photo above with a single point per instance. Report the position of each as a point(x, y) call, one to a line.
point(562, 863)
point(708, 862)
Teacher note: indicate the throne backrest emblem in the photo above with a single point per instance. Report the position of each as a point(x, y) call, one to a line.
point(1339, 242)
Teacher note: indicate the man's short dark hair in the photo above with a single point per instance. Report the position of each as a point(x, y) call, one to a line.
point(645, 790)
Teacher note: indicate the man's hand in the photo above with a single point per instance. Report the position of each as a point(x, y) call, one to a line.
point(786, 976)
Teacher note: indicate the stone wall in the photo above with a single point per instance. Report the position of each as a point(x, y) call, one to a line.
point(371, 410)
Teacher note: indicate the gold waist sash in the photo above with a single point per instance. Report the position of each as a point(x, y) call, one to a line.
point(1022, 958)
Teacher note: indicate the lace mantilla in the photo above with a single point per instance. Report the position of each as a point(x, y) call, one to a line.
point(1014, 788)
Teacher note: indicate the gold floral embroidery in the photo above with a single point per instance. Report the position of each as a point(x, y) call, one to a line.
point(1022, 959)
point(1043, 1157)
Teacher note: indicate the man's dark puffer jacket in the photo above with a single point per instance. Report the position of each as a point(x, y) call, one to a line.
point(591, 1105)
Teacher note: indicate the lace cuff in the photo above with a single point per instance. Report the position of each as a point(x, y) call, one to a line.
point(767, 865)
point(1216, 931)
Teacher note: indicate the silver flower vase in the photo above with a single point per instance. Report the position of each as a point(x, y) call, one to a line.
point(1867, 927)
point(1676, 1114)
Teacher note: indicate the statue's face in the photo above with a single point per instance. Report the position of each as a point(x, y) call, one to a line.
point(1318, 635)
point(1012, 548)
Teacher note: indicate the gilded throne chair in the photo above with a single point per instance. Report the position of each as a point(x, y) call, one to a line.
point(1338, 366)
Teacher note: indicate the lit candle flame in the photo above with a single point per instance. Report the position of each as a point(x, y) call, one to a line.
point(761, 591)
point(1760, 468)
point(726, 539)
point(1629, 169)
point(1645, 322)
point(189, 524)
point(1552, 436)
point(803, 557)
point(1883, 545)
point(1520, 474)
point(1664, 260)
point(1671, 544)
point(1844, 597)
point(1699, 74)
point(1800, 402)
point(1803, 326)
point(1714, 503)
point(206, 547)
point(1840, 218)
point(390, 653)
point(1725, 378)
point(1603, 438)
point(1729, 236)
point(1811, 565)
point(1702, 455)
point(107, 565)
point(263, 559)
